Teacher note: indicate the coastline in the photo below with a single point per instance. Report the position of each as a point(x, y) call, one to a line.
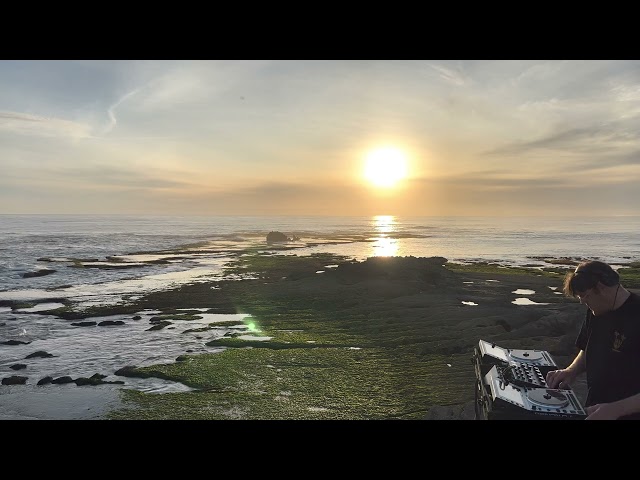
point(386, 338)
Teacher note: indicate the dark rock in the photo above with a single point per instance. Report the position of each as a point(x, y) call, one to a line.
point(275, 237)
point(85, 381)
point(65, 379)
point(95, 379)
point(15, 342)
point(137, 317)
point(130, 371)
point(159, 326)
point(18, 366)
point(39, 353)
point(45, 380)
point(181, 358)
point(14, 380)
point(83, 324)
point(38, 273)
point(110, 322)
point(127, 371)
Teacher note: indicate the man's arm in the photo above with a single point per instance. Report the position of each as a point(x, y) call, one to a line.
point(556, 378)
point(614, 410)
point(579, 364)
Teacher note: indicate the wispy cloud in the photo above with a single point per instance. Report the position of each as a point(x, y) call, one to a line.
point(450, 75)
point(26, 124)
point(111, 112)
point(598, 140)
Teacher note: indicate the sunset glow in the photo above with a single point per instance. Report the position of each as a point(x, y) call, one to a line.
point(320, 137)
point(384, 167)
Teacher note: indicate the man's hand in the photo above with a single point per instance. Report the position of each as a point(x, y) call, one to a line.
point(560, 378)
point(602, 411)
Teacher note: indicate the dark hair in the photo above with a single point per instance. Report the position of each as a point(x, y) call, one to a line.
point(587, 275)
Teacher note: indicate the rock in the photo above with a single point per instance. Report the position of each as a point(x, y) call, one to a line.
point(38, 273)
point(131, 371)
point(65, 379)
point(159, 326)
point(15, 342)
point(45, 380)
point(84, 324)
point(18, 366)
point(127, 371)
point(110, 322)
point(95, 379)
point(274, 237)
point(14, 380)
point(39, 353)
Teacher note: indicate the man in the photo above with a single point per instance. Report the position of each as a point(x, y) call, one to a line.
point(609, 343)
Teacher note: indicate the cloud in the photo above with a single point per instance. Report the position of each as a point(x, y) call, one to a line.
point(452, 76)
point(35, 125)
point(602, 140)
point(111, 112)
point(289, 136)
point(88, 178)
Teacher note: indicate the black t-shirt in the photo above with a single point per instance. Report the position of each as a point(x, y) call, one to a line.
point(611, 343)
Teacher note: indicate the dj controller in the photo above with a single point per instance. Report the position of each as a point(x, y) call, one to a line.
point(511, 385)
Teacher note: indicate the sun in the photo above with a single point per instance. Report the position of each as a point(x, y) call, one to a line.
point(384, 167)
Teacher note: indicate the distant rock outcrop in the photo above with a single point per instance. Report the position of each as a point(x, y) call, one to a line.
point(275, 237)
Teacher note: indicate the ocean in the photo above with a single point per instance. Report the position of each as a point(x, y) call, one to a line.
point(106, 259)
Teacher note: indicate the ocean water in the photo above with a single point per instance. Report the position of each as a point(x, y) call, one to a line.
point(27, 240)
point(101, 259)
point(105, 259)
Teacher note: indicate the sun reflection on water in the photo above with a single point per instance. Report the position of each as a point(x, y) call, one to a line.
point(384, 224)
point(383, 245)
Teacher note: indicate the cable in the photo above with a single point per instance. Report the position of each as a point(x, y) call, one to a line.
point(476, 403)
point(504, 373)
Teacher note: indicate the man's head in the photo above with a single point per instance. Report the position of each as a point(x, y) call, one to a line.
point(593, 283)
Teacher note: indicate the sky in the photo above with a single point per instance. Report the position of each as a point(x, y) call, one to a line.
point(292, 137)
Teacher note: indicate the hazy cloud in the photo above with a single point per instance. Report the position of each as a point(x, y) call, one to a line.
point(27, 124)
point(226, 136)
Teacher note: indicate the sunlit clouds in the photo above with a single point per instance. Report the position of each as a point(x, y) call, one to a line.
point(320, 137)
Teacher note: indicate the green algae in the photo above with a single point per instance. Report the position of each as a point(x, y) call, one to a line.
point(323, 383)
point(339, 346)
